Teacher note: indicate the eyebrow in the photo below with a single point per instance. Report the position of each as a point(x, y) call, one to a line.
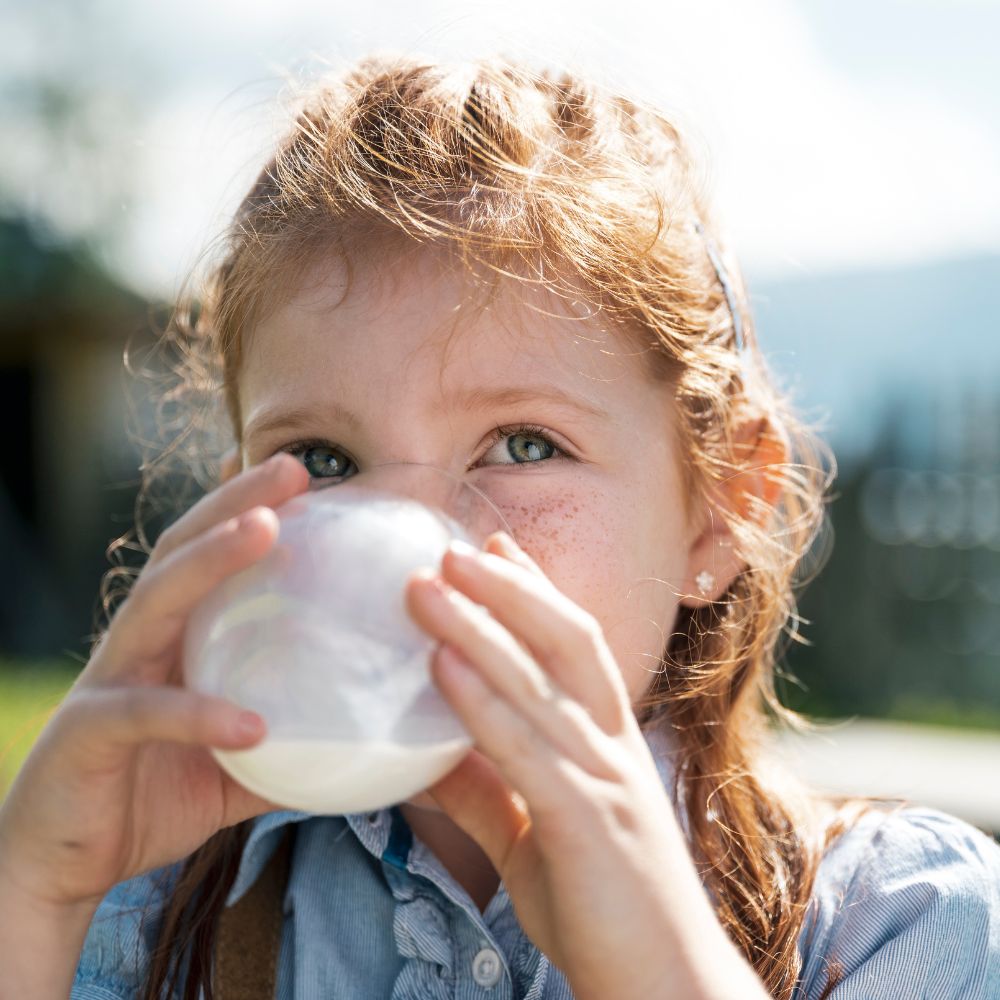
point(473, 399)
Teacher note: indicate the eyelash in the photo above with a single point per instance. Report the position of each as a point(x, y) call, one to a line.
point(497, 435)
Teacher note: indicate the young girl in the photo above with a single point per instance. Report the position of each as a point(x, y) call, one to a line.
point(511, 276)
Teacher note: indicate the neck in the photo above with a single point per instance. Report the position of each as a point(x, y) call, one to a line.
point(456, 850)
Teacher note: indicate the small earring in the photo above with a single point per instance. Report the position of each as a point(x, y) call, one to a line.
point(705, 581)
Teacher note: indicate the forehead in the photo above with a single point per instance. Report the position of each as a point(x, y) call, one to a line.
point(423, 313)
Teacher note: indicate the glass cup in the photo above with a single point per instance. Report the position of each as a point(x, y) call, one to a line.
point(316, 638)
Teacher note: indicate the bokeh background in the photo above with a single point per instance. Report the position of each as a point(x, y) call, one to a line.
point(855, 151)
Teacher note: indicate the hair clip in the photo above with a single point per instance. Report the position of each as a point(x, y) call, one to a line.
point(720, 270)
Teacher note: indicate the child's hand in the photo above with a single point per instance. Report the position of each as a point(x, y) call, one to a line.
point(564, 797)
point(121, 780)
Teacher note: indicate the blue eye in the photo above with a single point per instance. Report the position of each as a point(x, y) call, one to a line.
point(532, 453)
point(528, 445)
point(321, 460)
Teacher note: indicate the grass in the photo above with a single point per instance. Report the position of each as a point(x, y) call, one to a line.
point(29, 694)
point(938, 711)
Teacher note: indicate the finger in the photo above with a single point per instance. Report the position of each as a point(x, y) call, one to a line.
point(101, 721)
point(268, 484)
point(564, 638)
point(152, 618)
point(524, 758)
point(509, 670)
point(502, 544)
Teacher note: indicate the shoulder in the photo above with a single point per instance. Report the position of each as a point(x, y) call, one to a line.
point(909, 898)
point(122, 934)
point(115, 957)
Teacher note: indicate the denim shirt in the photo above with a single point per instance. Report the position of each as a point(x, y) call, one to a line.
point(905, 904)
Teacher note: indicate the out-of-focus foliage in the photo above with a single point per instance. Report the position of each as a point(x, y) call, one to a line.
point(904, 364)
point(29, 693)
point(905, 617)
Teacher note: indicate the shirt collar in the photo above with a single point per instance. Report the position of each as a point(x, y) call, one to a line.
point(384, 832)
point(262, 842)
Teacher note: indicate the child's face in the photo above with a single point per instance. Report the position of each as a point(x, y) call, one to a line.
point(606, 523)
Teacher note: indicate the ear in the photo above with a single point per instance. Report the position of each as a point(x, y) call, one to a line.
point(231, 465)
point(750, 494)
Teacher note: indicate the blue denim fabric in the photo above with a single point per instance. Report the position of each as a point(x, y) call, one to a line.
point(907, 904)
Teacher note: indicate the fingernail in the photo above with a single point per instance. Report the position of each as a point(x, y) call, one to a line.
point(440, 586)
point(463, 550)
point(246, 518)
point(508, 545)
point(256, 515)
point(249, 724)
point(516, 554)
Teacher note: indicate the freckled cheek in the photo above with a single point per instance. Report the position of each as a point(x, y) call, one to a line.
point(590, 553)
point(596, 551)
point(578, 542)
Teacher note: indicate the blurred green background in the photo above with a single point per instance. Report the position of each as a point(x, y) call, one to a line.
point(870, 240)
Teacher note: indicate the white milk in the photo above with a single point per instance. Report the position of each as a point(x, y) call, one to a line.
point(334, 777)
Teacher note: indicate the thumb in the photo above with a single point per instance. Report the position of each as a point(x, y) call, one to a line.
point(483, 805)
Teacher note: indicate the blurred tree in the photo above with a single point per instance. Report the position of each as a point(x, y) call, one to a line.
point(905, 617)
point(67, 471)
point(68, 106)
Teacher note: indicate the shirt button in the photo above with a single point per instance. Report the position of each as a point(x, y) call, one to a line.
point(486, 968)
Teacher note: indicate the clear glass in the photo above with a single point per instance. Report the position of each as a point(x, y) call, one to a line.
point(316, 638)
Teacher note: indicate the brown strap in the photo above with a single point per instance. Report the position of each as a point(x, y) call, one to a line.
point(249, 933)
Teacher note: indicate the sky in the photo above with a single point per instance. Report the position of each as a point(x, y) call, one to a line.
point(857, 134)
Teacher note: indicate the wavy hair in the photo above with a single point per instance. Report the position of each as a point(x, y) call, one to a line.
point(542, 177)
